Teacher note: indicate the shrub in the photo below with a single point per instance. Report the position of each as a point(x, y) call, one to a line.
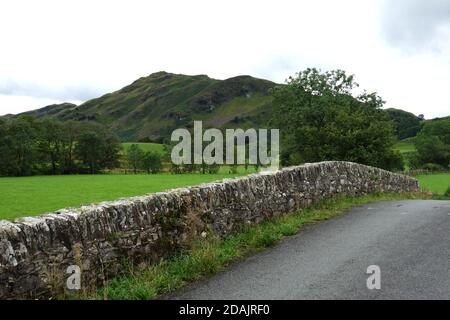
point(433, 167)
point(447, 193)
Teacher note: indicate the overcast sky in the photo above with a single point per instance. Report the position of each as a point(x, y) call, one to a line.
point(56, 51)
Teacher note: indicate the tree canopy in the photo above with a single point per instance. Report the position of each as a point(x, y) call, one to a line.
point(29, 146)
point(406, 124)
point(320, 119)
point(433, 143)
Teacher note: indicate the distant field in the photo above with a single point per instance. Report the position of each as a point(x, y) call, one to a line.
point(405, 146)
point(436, 183)
point(155, 147)
point(27, 196)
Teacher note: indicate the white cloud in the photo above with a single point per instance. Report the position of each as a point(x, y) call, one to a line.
point(17, 104)
point(416, 25)
point(74, 50)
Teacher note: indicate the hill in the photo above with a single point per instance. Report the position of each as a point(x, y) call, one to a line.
point(151, 107)
point(406, 124)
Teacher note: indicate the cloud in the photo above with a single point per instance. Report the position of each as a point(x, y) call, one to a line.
point(11, 87)
point(15, 103)
point(50, 57)
point(416, 25)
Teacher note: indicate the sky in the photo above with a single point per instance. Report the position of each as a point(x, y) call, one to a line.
point(54, 51)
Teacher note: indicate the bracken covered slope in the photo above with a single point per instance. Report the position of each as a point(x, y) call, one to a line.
point(152, 107)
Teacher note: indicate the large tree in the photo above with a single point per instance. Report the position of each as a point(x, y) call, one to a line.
point(51, 144)
point(18, 147)
point(97, 148)
point(135, 157)
point(320, 119)
point(152, 162)
point(433, 143)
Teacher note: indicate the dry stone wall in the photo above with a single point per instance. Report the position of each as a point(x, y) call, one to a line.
point(35, 252)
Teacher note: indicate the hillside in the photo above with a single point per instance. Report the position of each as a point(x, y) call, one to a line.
point(151, 107)
point(406, 124)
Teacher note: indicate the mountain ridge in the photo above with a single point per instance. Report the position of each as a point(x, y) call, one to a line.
point(151, 107)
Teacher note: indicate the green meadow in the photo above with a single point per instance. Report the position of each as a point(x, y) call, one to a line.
point(29, 196)
point(436, 183)
point(405, 146)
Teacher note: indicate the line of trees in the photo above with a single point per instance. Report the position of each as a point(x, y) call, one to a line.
point(153, 162)
point(150, 161)
point(29, 147)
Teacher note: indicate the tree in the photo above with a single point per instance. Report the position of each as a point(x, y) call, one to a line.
point(97, 148)
point(6, 157)
point(18, 147)
point(433, 143)
point(152, 162)
point(31, 147)
point(89, 151)
point(135, 157)
point(111, 151)
point(70, 134)
point(406, 124)
point(320, 119)
point(51, 144)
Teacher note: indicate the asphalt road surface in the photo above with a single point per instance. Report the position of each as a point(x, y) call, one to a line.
point(408, 240)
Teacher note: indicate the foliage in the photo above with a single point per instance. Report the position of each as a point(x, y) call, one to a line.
point(321, 120)
point(447, 193)
point(152, 162)
point(433, 143)
point(97, 149)
point(30, 146)
point(19, 154)
point(432, 167)
point(135, 157)
point(145, 146)
point(406, 124)
point(150, 108)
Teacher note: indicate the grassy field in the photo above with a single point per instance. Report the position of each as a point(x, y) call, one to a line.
point(405, 146)
point(28, 196)
point(436, 183)
point(155, 147)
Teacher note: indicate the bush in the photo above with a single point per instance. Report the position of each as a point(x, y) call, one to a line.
point(433, 167)
point(447, 193)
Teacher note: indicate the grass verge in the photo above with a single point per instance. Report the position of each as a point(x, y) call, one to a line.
point(213, 254)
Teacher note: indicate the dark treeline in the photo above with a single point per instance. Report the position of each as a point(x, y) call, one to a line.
point(30, 147)
point(138, 159)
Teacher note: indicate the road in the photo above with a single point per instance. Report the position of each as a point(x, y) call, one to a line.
point(408, 240)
